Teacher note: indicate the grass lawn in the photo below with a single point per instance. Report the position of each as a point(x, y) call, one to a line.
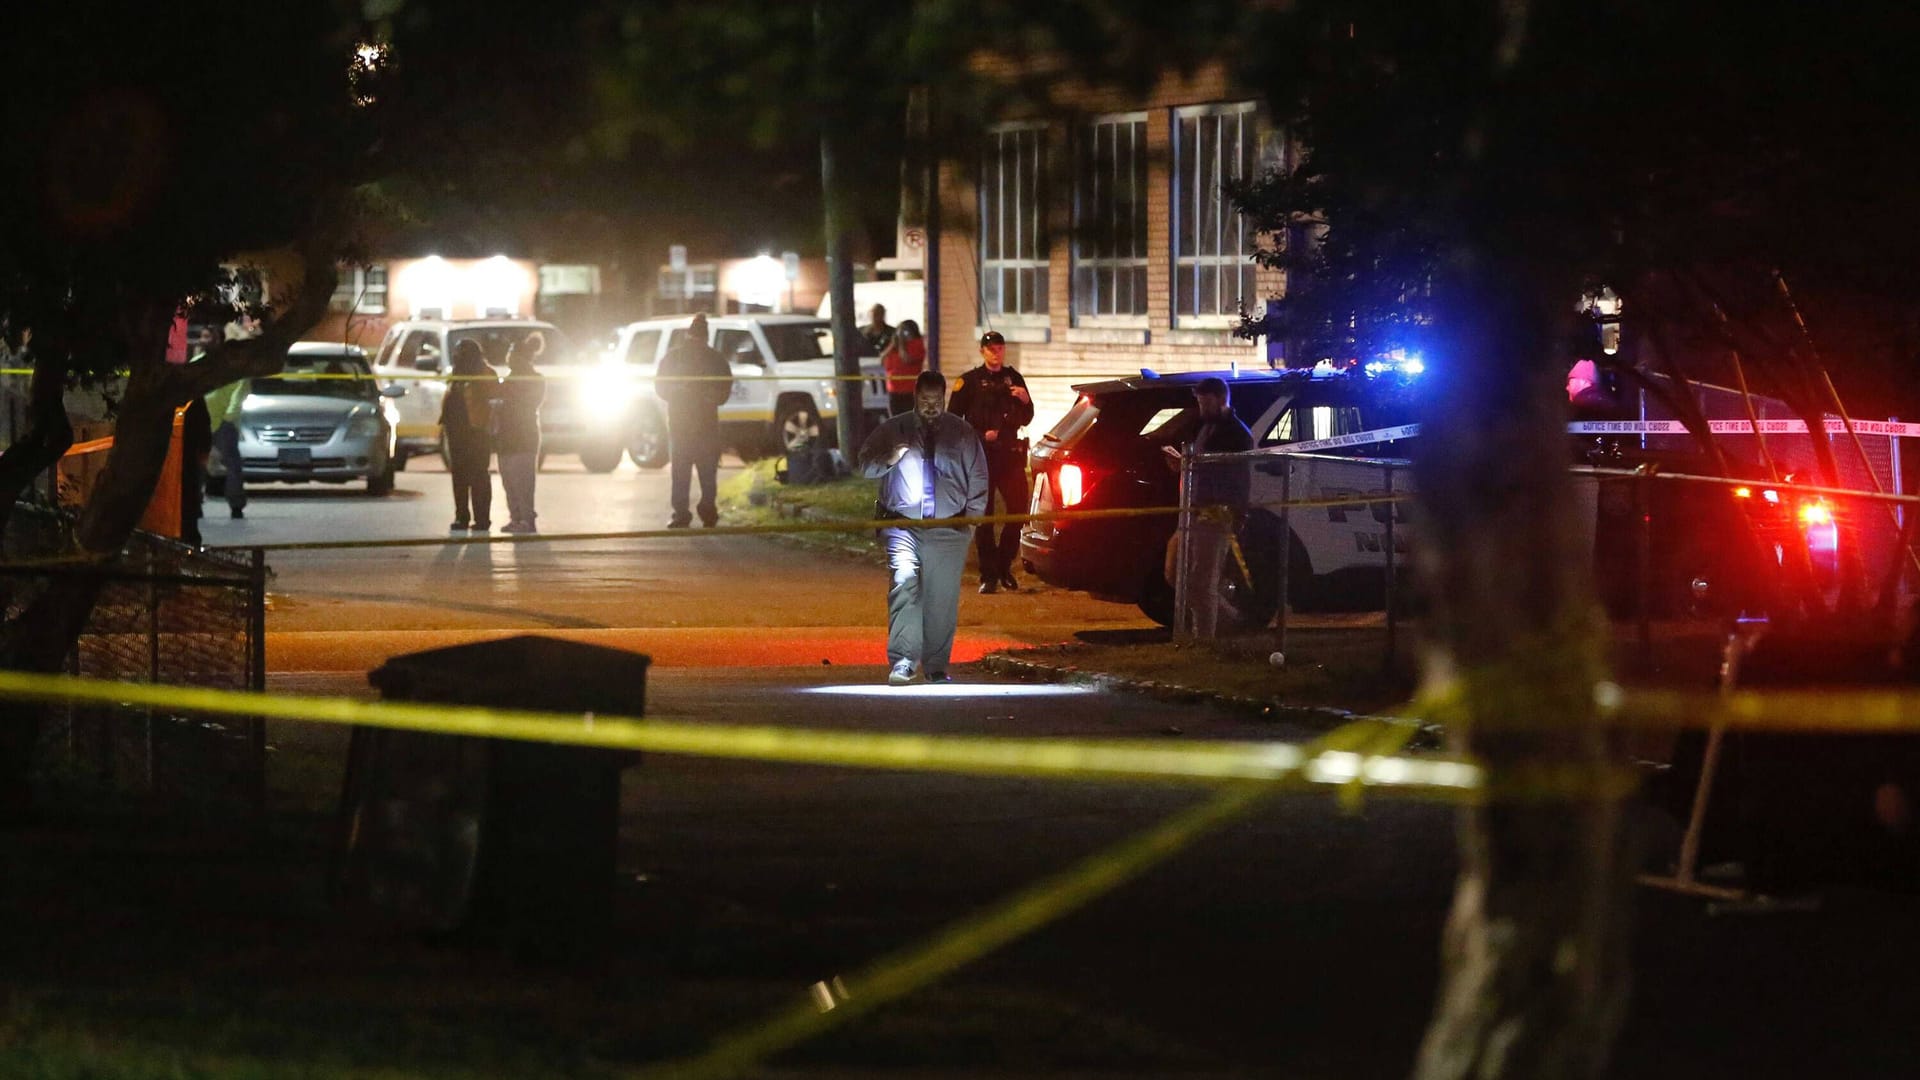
point(753, 497)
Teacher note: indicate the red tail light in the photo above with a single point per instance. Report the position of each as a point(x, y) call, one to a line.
point(1070, 482)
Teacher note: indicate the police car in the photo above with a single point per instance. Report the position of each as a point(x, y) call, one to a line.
point(1679, 549)
point(784, 396)
point(416, 347)
point(1109, 452)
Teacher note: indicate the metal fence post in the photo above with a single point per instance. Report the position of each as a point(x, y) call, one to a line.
point(1644, 614)
point(153, 660)
point(1182, 574)
point(1286, 554)
point(1393, 624)
point(257, 667)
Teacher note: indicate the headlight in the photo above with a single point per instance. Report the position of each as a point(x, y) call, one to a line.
point(363, 427)
point(605, 391)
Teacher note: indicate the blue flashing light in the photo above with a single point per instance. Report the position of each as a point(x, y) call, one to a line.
point(1149, 373)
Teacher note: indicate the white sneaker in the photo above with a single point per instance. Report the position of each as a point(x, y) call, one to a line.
point(901, 675)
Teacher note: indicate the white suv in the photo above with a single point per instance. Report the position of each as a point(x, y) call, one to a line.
point(796, 405)
point(425, 347)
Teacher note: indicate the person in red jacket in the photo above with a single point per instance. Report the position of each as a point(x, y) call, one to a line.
point(904, 359)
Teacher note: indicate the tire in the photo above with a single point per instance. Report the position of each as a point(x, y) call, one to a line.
point(1248, 607)
point(796, 424)
point(648, 449)
point(602, 458)
point(401, 455)
point(381, 483)
point(1156, 595)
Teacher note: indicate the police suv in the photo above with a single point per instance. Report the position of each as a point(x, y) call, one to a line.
point(1109, 452)
point(417, 347)
point(1676, 549)
point(784, 395)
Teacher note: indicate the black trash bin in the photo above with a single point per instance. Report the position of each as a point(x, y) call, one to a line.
point(490, 840)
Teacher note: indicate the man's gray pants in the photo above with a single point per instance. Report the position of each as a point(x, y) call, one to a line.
point(923, 597)
point(1208, 546)
point(519, 471)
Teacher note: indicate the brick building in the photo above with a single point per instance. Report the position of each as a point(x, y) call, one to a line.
point(1103, 244)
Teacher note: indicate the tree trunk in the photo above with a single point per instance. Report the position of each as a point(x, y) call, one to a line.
point(829, 43)
point(1534, 956)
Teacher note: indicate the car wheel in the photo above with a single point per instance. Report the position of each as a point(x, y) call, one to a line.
point(400, 456)
point(381, 483)
point(796, 425)
point(649, 446)
point(1156, 594)
point(602, 458)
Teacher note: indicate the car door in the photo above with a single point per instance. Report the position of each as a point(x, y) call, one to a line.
point(751, 399)
point(421, 352)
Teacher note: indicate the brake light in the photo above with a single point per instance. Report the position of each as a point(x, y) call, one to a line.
point(1816, 512)
point(1743, 493)
point(1816, 521)
point(1070, 482)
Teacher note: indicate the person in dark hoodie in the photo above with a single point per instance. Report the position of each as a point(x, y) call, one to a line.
point(466, 423)
point(516, 425)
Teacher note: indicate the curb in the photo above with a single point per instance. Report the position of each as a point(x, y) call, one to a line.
point(1025, 666)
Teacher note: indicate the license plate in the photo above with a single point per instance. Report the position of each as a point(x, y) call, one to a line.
point(296, 455)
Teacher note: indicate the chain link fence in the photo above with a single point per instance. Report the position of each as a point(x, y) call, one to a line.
point(165, 613)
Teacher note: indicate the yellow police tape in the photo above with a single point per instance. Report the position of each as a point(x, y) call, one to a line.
point(841, 1000)
point(591, 371)
point(1088, 759)
point(867, 525)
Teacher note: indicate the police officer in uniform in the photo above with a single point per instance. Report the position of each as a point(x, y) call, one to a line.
point(994, 399)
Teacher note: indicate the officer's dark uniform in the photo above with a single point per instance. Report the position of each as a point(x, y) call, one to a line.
point(985, 398)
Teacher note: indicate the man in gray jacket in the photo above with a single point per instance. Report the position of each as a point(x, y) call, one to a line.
point(930, 465)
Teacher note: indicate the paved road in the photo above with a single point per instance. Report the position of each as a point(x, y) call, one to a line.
point(1299, 943)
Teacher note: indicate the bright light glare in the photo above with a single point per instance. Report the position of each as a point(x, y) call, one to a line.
point(1770, 495)
point(760, 281)
point(1743, 493)
point(1071, 485)
point(953, 691)
point(498, 286)
point(606, 390)
point(1816, 513)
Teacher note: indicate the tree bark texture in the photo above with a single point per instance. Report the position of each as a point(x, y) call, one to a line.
point(1534, 954)
point(830, 41)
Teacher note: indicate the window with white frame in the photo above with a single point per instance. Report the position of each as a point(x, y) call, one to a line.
point(1110, 220)
point(361, 290)
point(1013, 241)
point(1212, 245)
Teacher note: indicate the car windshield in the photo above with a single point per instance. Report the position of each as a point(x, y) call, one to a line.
point(498, 341)
point(799, 341)
point(361, 388)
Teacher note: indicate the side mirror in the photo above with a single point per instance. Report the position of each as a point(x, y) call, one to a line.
point(393, 391)
point(427, 360)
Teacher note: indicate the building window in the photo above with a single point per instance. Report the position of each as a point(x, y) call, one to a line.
point(1110, 220)
point(362, 290)
point(692, 289)
point(1212, 246)
point(1013, 242)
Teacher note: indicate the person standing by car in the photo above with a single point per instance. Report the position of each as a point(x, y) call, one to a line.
point(904, 358)
point(1219, 501)
point(466, 423)
point(694, 381)
point(993, 398)
point(516, 422)
point(196, 445)
point(877, 332)
point(930, 465)
point(223, 411)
